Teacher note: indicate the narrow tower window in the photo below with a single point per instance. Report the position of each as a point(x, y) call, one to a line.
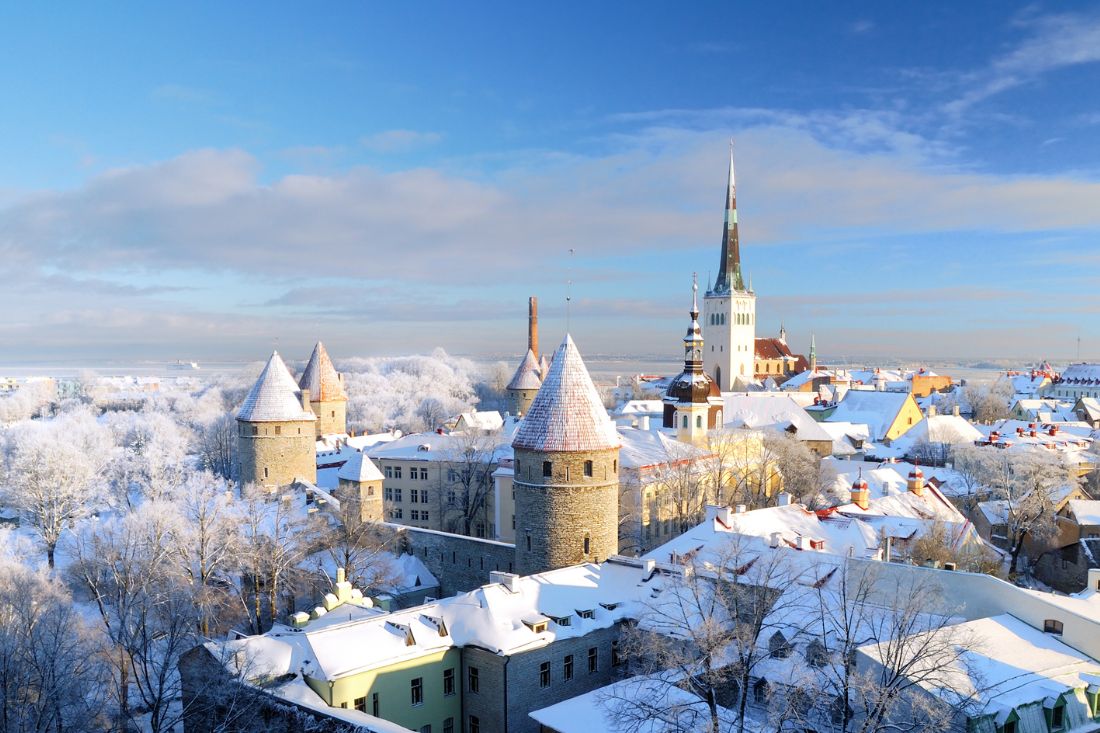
point(547, 469)
point(587, 543)
point(588, 468)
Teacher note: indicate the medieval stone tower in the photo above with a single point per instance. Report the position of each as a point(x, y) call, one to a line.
point(692, 403)
point(327, 397)
point(528, 377)
point(729, 309)
point(566, 472)
point(275, 430)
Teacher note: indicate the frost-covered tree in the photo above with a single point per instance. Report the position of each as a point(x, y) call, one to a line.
point(467, 479)
point(54, 473)
point(129, 567)
point(153, 457)
point(216, 446)
point(410, 393)
point(51, 672)
point(989, 402)
point(30, 399)
point(1026, 482)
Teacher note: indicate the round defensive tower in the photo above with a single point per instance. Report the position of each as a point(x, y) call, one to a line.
point(566, 472)
point(275, 430)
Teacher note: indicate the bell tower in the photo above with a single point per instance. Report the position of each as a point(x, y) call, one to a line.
point(729, 308)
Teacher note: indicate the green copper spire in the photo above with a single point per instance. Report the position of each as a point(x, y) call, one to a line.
point(729, 268)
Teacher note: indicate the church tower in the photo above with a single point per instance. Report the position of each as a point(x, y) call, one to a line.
point(566, 472)
point(327, 397)
point(729, 309)
point(275, 430)
point(693, 404)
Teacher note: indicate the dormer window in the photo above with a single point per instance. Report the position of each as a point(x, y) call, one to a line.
point(586, 613)
point(1052, 626)
point(537, 624)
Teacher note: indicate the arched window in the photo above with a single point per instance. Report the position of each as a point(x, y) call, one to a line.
point(684, 421)
point(587, 543)
point(760, 691)
point(698, 421)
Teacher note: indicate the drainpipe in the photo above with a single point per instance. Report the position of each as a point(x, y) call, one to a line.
point(507, 659)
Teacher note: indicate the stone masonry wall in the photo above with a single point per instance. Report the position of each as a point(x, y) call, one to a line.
point(460, 563)
point(327, 422)
point(520, 400)
point(289, 455)
point(554, 514)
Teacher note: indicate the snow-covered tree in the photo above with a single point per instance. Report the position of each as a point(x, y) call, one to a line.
point(54, 473)
point(153, 457)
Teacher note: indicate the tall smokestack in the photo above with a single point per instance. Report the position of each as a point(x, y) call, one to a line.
point(533, 325)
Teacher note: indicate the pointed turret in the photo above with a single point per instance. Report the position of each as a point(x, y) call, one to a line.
point(327, 397)
point(729, 267)
point(566, 472)
point(568, 413)
point(525, 384)
point(813, 352)
point(275, 433)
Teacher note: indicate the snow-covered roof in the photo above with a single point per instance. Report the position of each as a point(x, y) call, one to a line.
point(433, 446)
point(1005, 664)
point(846, 436)
point(1085, 511)
point(671, 708)
point(567, 414)
point(527, 375)
point(274, 397)
point(320, 377)
point(480, 420)
point(947, 429)
point(876, 410)
point(360, 468)
point(1082, 373)
point(650, 448)
point(773, 410)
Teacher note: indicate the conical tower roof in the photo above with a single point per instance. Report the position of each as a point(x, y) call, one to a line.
point(527, 376)
point(567, 414)
point(274, 397)
point(320, 377)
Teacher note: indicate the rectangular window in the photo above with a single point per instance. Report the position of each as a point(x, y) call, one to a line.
point(414, 515)
point(473, 682)
point(567, 667)
point(397, 471)
point(361, 704)
point(374, 704)
point(414, 496)
point(449, 725)
point(388, 494)
point(448, 681)
point(479, 530)
point(278, 429)
point(389, 471)
point(588, 468)
point(547, 468)
point(424, 496)
point(416, 691)
point(452, 475)
point(475, 724)
point(395, 513)
point(423, 474)
point(424, 515)
point(397, 494)
point(544, 674)
point(593, 660)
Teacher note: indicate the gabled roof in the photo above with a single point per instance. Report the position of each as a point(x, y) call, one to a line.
point(274, 397)
point(359, 468)
point(320, 377)
point(772, 348)
point(527, 375)
point(567, 414)
point(877, 410)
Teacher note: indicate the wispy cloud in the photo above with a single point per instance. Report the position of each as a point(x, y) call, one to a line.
point(399, 141)
point(1054, 42)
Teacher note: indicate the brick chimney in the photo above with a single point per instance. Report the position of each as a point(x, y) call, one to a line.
point(533, 325)
point(861, 495)
point(916, 481)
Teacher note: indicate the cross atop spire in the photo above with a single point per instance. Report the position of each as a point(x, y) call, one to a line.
point(729, 268)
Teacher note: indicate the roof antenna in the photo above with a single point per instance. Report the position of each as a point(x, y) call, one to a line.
point(569, 293)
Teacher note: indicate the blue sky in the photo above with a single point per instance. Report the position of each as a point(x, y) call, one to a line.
point(197, 181)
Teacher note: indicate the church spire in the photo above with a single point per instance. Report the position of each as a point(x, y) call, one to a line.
point(813, 352)
point(729, 269)
point(693, 341)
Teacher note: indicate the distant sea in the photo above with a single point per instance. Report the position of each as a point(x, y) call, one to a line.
point(603, 367)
